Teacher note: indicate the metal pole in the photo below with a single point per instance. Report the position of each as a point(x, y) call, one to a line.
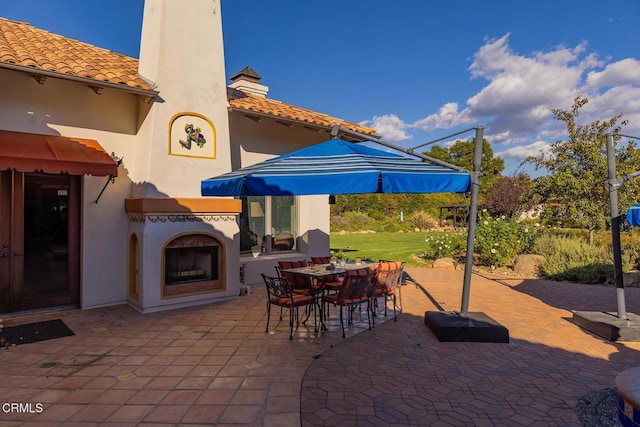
point(337, 129)
point(440, 139)
point(614, 185)
point(473, 219)
point(110, 180)
point(629, 136)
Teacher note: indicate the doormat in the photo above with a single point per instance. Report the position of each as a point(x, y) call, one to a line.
point(34, 332)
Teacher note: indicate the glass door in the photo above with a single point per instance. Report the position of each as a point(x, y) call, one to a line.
point(51, 241)
point(6, 203)
point(39, 241)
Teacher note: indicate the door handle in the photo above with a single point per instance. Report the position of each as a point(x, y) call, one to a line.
point(17, 254)
point(4, 255)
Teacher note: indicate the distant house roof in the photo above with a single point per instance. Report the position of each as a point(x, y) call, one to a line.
point(29, 49)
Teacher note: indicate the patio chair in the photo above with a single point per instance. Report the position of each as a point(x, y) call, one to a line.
point(299, 283)
point(402, 281)
point(331, 283)
point(355, 290)
point(386, 285)
point(280, 293)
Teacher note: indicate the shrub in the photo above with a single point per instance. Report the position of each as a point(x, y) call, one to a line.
point(391, 225)
point(629, 247)
point(444, 244)
point(499, 240)
point(352, 221)
point(422, 220)
point(573, 259)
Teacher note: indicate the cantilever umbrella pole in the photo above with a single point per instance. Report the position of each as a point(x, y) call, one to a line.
point(614, 185)
point(473, 219)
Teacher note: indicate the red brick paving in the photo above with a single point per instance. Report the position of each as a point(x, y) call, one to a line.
point(215, 365)
point(399, 374)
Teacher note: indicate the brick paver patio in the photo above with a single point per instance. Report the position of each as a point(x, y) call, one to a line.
point(215, 365)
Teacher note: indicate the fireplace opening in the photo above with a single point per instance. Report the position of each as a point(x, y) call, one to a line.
point(192, 264)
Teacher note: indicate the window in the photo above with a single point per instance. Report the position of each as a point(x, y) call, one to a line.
point(268, 224)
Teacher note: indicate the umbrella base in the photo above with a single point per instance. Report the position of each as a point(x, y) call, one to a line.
point(477, 327)
point(608, 325)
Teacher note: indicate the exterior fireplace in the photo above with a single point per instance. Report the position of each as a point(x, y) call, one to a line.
point(192, 264)
point(181, 256)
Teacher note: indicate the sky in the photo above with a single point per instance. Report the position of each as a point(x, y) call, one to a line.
point(416, 70)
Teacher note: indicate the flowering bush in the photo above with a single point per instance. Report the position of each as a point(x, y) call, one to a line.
point(443, 244)
point(500, 239)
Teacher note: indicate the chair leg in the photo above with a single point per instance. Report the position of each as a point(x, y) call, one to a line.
point(291, 315)
point(371, 307)
point(315, 316)
point(342, 323)
point(393, 298)
point(268, 315)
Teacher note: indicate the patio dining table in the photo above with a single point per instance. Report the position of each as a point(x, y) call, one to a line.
point(320, 272)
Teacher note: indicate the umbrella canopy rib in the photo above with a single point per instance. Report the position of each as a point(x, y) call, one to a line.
point(337, 167)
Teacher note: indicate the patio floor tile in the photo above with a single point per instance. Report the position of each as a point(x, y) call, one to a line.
point(214, 364)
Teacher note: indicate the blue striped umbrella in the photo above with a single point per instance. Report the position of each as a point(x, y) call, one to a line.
point(633, 215)
point(337, 167)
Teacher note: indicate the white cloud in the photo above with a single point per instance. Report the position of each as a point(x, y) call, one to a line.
point(447, 117)
point(626, 71)
point(389, 127)
point(520, 88)
point(515, 105)
point(521, 152)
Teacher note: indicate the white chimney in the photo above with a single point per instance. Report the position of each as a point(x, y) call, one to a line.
point(182, 52)
point(248, 80)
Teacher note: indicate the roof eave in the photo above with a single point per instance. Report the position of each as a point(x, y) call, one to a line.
point(313, 126)
point(149, 94)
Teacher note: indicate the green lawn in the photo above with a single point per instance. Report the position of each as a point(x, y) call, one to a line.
point(375, 246)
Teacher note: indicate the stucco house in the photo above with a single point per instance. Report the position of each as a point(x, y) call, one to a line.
point(101, 160)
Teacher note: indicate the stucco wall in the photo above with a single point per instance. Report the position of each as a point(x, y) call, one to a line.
point(70, 109)
point(253, 142)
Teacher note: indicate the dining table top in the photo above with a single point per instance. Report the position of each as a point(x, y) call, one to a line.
point(323, 270)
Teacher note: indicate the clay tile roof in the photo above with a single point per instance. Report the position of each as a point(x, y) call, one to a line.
point(24, 45)
point(242, 101)
point(27, 46)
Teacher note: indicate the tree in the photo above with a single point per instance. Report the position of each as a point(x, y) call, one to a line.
point(461, 154)
point(510, 195)
point(576, 185)
point(384, 206)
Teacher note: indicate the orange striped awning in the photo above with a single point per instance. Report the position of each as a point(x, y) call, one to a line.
point(32, 152)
